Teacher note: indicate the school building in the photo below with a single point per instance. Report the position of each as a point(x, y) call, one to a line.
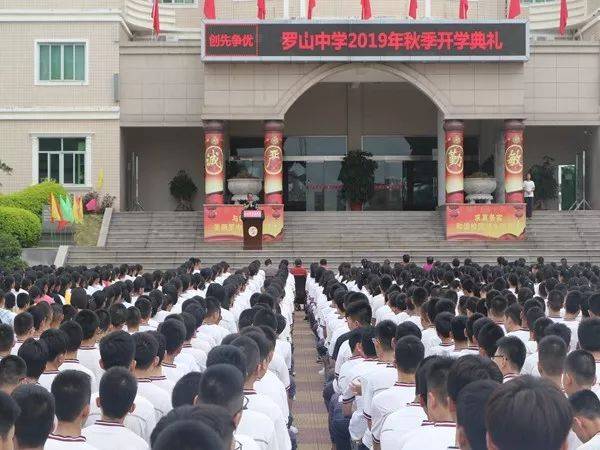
point(87, 90)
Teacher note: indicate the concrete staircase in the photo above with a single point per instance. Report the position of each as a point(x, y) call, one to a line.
point(162, 240)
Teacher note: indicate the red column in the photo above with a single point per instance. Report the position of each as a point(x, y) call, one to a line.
point(513, 161)
point(273, 162)
point(454, 161)
point(214, 173)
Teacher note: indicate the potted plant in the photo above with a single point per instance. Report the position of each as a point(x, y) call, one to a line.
point(546, 186)
point(183, 189)
point(357, 175)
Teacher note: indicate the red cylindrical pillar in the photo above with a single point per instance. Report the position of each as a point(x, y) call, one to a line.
point(513, 161)
point(454, 130)
point(273, 162)
point(214, 173)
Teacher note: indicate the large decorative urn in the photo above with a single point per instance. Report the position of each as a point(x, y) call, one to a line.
point(479, 188)
point(241, 187)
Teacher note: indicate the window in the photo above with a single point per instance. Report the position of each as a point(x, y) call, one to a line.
point(62, 159)
point(60, 62)
point(315, 146)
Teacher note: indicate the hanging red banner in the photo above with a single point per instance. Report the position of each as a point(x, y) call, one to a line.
point(273, 163)
point(454, 161)
point(513, 162)
point(213, 166)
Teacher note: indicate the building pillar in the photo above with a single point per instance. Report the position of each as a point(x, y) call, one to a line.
point(513, 161)
point(454, 155)
point(273, 162)
point(214, 162)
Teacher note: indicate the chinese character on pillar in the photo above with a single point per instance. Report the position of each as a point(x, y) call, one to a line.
point(214, 174)
point(273, 161)
point(454, 130)
point(513, 161)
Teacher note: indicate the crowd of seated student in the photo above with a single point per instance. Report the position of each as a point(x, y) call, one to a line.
point(115, 357)
point(458, 355)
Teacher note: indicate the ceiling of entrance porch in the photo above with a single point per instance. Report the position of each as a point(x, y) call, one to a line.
point(363, 75)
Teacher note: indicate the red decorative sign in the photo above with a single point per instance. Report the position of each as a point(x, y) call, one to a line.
point(224, 222)
point(482, 222)
point(352, 40)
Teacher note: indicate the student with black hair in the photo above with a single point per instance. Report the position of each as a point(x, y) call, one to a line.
point(9, 412)
point(144, 305)
point(56, 344)
point(510, 356)
point(443, 328)
point(72, 393)
point(196, 355)
point(186, 389)
point(210, 326)
point(458, 328)
point(470, 414)
point(183, 433)
point(408, 354)
point(174, 332)
point(36, 418)
point(552, 352)
point(514, 325)
point(7, 340)
point(74, 334)
point(88, 353)
point(589, 338)
point(586, 418)
point(116, 399)
point(580, 372)
point(358, 314)
point(528, 413)
point(488, 337)
point(35, 354)
point(13, 372)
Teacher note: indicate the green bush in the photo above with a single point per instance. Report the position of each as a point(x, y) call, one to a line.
point(10, 253)
point(11, 264)
point(22, 224)
point(33, 198)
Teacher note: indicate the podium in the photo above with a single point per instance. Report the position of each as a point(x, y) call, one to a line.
point(252, 220)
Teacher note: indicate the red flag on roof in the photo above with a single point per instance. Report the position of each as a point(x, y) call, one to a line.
point(209, 9)
point(412, 9)
point(514, 9)
point(311, 5)
point(564, 15)
point(262, 9)
point(463, 8)
point(365, 9)
point(155, 17)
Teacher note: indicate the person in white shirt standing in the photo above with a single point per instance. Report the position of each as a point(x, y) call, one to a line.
point(528, 188)
point(36, 419)
point(586, 420)
point(72, 391)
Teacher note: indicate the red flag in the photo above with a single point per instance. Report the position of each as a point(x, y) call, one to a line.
point(365, 9)
point(463, 8)
point(311, 5)
point(564, 14)
point(155, 17)
point(209, 9)
point(412, 9)
point(262, 9)
point(514, 9)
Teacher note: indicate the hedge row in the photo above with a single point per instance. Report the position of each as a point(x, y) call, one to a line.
point(33, 198)
point(10, 254)
point(24, 225)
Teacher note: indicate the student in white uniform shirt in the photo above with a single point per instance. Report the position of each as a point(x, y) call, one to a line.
point(443, 328)
point(174, 332)
point(586, 420)
point(470, 414)
point(409, 352)
point(210, 325)
point(531, 361)
point(23, 329)
point(35, 355)
point(196, 355)
point(513, 324)
point(227, 320)
point(72, 393)
point(74, 335)
point(144, 305)
point(36, 417)
point(117, 349)
point(116, 400)
point(515, 417)
point(146, 349)
point(510, 357)
point(88, 353)
point(256, 366)
point(589, 339)
point(7, 340)
point(222, 385)
point(579, 373)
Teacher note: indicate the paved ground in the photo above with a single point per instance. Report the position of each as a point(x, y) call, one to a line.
point(310, 415)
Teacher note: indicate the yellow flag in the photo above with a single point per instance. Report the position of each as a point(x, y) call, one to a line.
point(100, 180)
point(78, 210)
point(54, 209)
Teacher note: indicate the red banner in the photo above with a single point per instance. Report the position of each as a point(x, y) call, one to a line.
point(213, 166)
point(455, 162)
point(483, 222)
point(513, 165)
point(224, 223)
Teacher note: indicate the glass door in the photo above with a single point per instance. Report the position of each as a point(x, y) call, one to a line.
point(566, 189)
point(420, 182)
point(312, 186)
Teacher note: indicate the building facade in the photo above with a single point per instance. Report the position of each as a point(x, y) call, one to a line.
point(88, 94)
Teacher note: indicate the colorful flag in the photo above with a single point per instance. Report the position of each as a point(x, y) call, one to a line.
point(311, 5)
point(66, 208)
point(100, 180)
point(54, 210)
point(365, 9)
point(463, 8)
point(78, 209)
point(91, 205)
point(209, 9)
point(564, 15)
point(514, 9)
point(261, 9)
point(412, 9)
point(155, 17)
